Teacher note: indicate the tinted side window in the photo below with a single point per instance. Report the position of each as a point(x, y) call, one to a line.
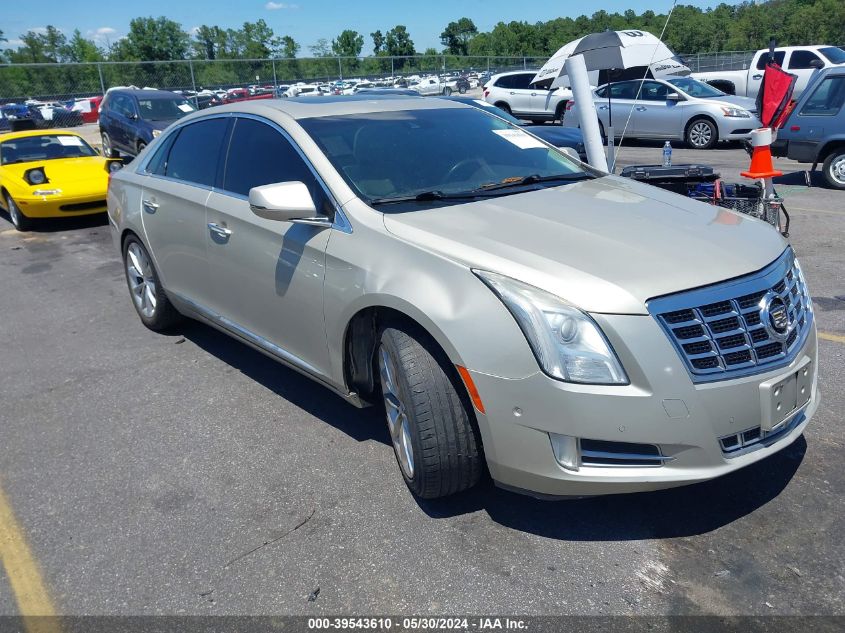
point(195, 152)
point(505, 82)
point(260, 155)
point(802, 59)
point(827, 99)
point(522, 81)
point(779, 55)
point(654, 91)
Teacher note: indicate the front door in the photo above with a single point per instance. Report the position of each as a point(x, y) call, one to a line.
point(266, 276)
point(654, 115)
point(173, 201)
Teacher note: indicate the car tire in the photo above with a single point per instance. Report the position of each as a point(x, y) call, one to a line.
point(147, 294)
point(834, 168)
point(503, 106)
point(462, 90)
point(429, 417)
point(560, 112)
point(141, 145)
point(447, 91)
point(701, 133)
point(108, 150)
point(19, 220)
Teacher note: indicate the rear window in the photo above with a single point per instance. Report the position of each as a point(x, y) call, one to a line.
point(193, 156)
point(827, 99)
point(834, 55)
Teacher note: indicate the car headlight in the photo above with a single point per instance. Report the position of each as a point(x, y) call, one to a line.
point(35, 176)
point(567, 343)
point(737, 113)
point(156, 133)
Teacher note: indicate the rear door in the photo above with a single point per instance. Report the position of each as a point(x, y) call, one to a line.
point(821, 115)
point(655, 116)
point(182, 172)
point(267, 276)
point(519, 95)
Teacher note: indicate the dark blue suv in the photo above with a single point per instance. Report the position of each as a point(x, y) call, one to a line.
point(130, 119)
point(815, 130)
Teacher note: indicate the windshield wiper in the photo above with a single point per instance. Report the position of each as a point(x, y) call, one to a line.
point(426, 196)
point(535, 178)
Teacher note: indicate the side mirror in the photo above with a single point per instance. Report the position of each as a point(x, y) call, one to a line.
point(674, 96)
point(816, 63)
point(286, 202)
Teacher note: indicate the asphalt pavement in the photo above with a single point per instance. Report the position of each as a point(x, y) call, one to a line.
point(188, 474)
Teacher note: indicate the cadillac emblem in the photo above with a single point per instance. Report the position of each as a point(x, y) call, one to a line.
point(775, 317)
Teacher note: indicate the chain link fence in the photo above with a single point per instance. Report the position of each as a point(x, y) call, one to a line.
point(59, 82)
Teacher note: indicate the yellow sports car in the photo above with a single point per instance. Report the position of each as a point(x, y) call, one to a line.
point(51, 174)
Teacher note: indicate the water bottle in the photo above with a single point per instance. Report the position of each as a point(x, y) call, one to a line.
point(667, 154)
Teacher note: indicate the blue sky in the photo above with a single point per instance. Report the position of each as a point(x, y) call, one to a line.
point(305, 20)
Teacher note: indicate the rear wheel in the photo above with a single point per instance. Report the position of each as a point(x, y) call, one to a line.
point(148, 297)
point(702, 134)
point(429, 419)
point(447, 91)
point(141, 146)
point(462, 90)
point(560, 112)
point(834, 168)
point(19, 220)
point(504, 106)
point(108, 150)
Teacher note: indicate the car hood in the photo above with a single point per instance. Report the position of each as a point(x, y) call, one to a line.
point(557, 135)
point(605, 245)
point(62, 172)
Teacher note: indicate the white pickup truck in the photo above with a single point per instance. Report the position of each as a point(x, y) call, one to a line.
point(801, 61)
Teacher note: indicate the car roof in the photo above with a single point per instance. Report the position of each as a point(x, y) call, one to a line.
point(9, 136)
point(524, 71)
point(316, 107)
point(146, 94)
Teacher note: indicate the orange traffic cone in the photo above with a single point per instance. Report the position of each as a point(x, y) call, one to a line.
point(761, 157)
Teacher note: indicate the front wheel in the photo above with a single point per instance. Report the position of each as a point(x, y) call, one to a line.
point(108, 150)
point(702, 134)
point(19, 220)
point(429, 420)
point(148, 297)
point(834, 168)
point(447, 92)
point(462, 90)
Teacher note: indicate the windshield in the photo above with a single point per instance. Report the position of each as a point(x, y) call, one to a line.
point(45, 147)
point(696, 88)
point(833, 54)
point(164, 109)
point(435, 154)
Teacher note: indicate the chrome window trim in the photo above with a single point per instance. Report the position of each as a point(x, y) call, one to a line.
point(762, 280)
point(341, 221)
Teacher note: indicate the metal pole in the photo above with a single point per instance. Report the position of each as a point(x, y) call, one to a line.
point(193, 82)
point(275, 83)
point(339, 69)
point(576, 69)
point(102, 83)
point(392, 72)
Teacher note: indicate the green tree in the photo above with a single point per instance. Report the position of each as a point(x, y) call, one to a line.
point(44, 46)
point(321, 48)
point(152, 39)
point(378, 41)
point(210, 42)
point(457, 36)
point(348, 44)
point(288, 47)
point(398, 41)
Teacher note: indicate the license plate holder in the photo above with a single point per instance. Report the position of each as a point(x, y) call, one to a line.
point(782, 396)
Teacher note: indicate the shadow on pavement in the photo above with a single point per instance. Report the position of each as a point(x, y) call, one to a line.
point(685, 511)
point(55, 225)
point(360, 424)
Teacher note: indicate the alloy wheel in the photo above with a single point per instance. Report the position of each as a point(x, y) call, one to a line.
point(139, 272)
point(14, 212)
point(837, 169)
point(701, 134)
point(107, 151)
point(397, 417)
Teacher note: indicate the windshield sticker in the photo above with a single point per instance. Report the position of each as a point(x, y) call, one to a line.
point(521, 139)
point(184, 107)
point(70, 141)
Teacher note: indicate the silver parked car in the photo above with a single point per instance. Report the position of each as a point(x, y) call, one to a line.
point(680, 109)
point(578, 333)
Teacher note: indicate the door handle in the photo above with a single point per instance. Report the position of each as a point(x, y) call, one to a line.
point(150, 206)
point(533, 94)
point(603, 107)
point(512, 92)
point(757, 77)
point(220, 231)
point(641, 109)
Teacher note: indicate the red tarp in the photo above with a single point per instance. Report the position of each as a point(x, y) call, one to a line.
point(775, 95)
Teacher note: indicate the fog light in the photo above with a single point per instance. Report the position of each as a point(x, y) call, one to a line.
point(565, 448)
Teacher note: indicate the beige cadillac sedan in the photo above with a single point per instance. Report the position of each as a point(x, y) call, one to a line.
point(575, 333)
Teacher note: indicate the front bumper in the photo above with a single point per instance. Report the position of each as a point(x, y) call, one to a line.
point(736, 129)
point(661, 407)
point(60, 205)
